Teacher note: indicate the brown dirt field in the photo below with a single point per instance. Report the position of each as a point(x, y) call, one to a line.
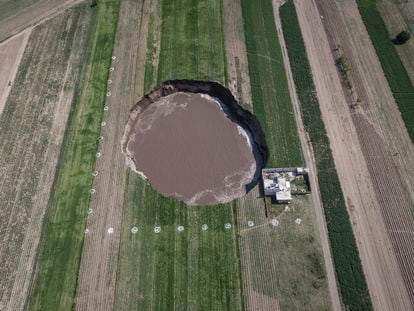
point(357, 147)
point(38, 107)
point(183, 136)
point(310, 163)
point(11, 52)
point(18, 15)
point(237, 66)
point(251, 207)
point(395, 22)
point(97, 274)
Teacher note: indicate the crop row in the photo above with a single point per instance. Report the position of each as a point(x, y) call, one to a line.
point(270, 92)
point(394, 70)
point(351, 279)
point(62, 240)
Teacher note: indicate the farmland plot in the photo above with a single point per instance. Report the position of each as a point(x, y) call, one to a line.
point(348, 267)
point(270, 92)
point(275, 264)
point(58, 263)
point(397, 76)
point(31, 132)
point(191, 269)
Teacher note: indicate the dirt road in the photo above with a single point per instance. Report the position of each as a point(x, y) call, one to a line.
point(97, 275)
point(385, 281)
point(11, 53)
point(18, 15)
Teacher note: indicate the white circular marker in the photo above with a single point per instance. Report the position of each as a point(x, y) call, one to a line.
point(111, 69)
point(100, 138)
point(108, 94)
point(109, 81)
point(93, 190)
point(180, 228)
point(298, 221)
point(98, 154)
point(94, 174)
point(113, 57)
point(275, 222)
point(134, 230)
point(204, 227)
point(89, 211)
point(86, 230)
point(157, 229)
point(250, 223)
point(103, 124)
point(106, 108)
point(227, 226)
point(110, 230)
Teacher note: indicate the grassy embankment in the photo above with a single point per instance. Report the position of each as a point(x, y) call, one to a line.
point(59, 259)
point(270, 92)
point(351, 279)
point(193, 269)
point(394, 70)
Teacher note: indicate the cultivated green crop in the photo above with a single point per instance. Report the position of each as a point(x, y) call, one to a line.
point(59, 259)
point(270, 92)
point(394, 70)
point(353, 287)
point(192, 269)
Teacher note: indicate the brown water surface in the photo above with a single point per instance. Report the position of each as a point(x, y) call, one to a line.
point(187, 147)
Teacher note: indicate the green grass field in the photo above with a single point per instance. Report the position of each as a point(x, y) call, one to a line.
point(270, 92)
point(59, 258)
point(193, 269)
point(394, 70)
point(352, 284)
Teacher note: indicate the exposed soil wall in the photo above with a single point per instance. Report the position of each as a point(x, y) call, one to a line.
point(233, 111)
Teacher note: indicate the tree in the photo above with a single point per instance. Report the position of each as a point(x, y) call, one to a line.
point(402, 37)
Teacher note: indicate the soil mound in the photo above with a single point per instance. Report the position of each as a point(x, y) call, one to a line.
point(191, 140)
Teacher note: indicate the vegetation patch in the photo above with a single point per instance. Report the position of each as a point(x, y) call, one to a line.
point(185, 265)
point(270, 92)
point(59, 258)
point(394, 70)
point(352, 283)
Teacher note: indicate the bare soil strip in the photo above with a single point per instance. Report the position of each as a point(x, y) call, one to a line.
point(310, 163)
point(33, 124)
point(10, 56)
point(97, 274)
point(384, 278)
point(237, 68)
point(18, 15)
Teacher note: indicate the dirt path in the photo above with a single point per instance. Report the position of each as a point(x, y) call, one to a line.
point(26, 13)
point(10, 56)
point(41, 98)
point(97, 275)
point(383, 275)
point(310, 163)
point(237, 65)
